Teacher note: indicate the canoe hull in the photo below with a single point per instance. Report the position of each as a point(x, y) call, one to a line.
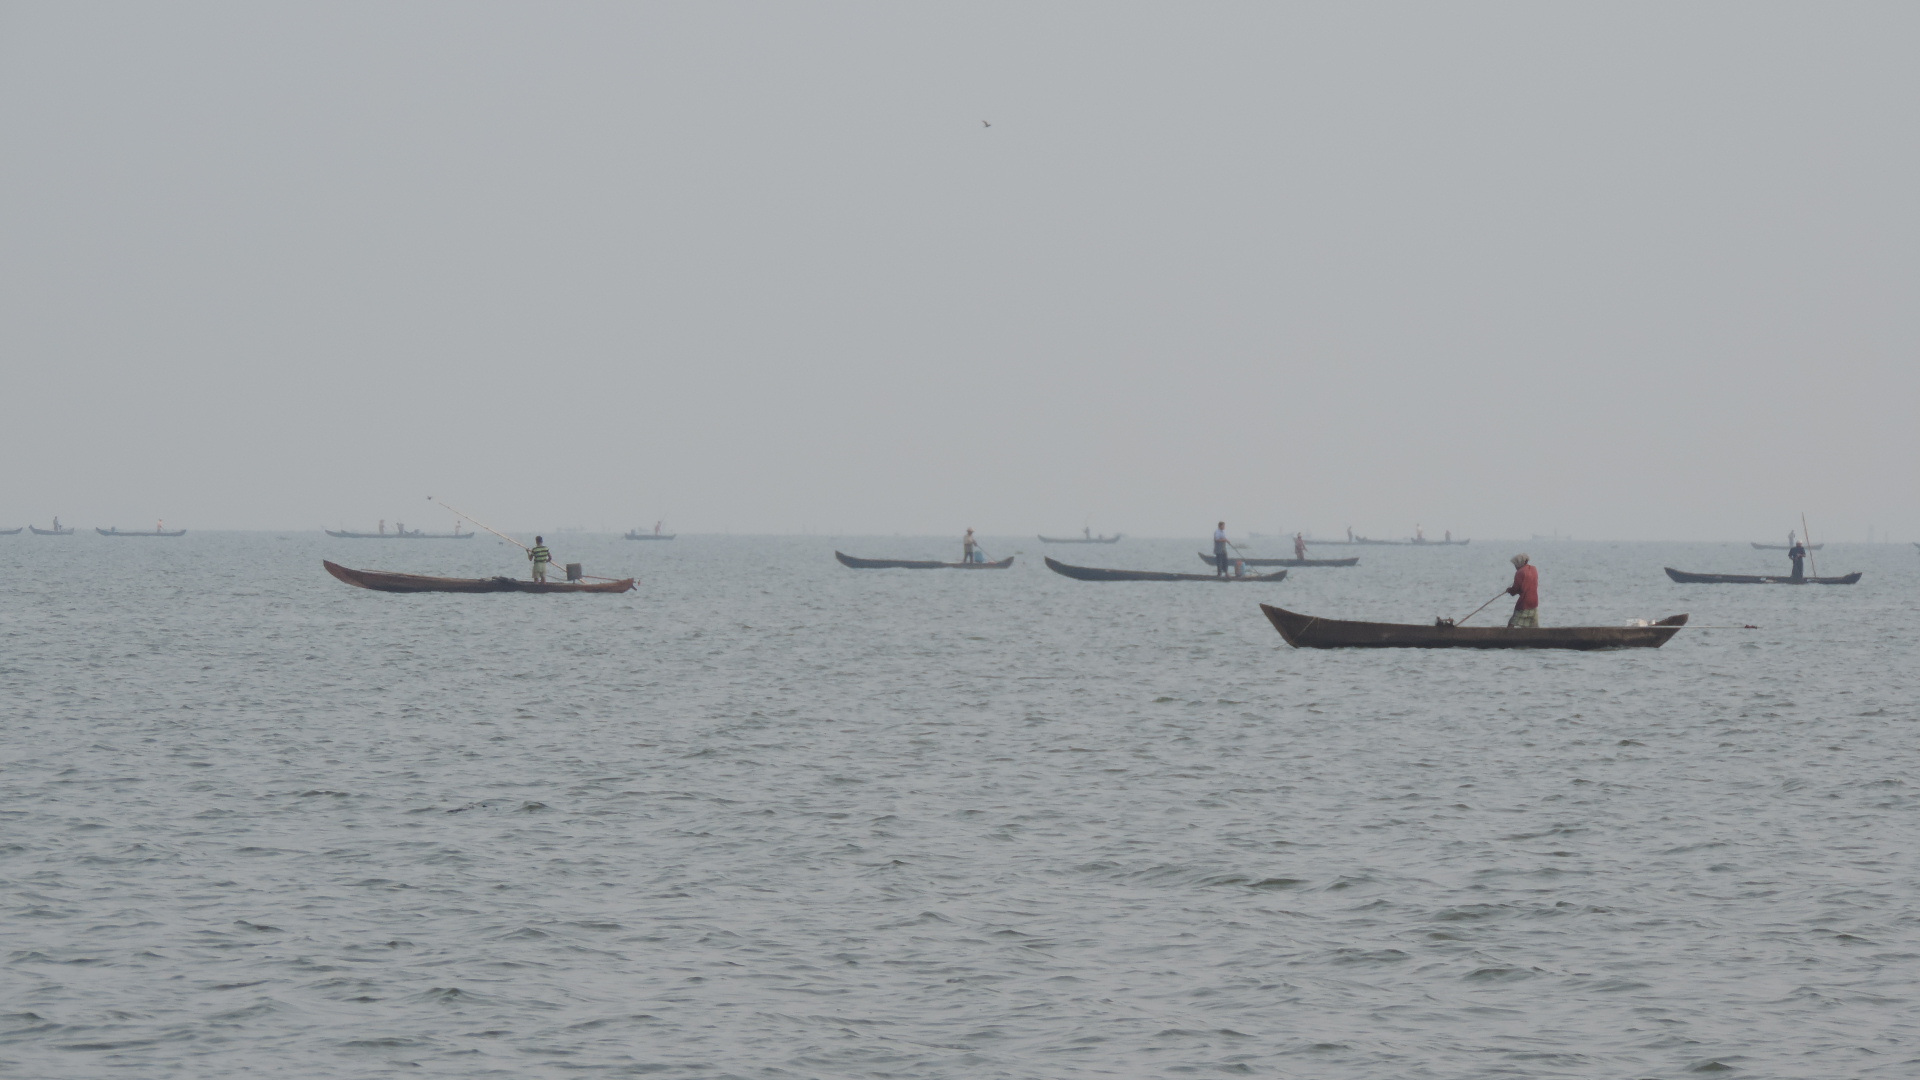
point(918, 564)
point(117, 532)
point(1782, 547)
point(344, 535)
point(1686, 578)
point(1114, 539)
point(1310, 632)
point(1093, 573)
point(651, 536)
point(1209, 560)
point(415, 583)
point(1361, 541)
point(38, 531)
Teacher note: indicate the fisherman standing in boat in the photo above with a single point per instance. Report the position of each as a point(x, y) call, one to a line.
point(1220, 550)
point(1300, 546)
point(970, 549)
point(1526, 586)
point(1798, 553)
point(540, 557)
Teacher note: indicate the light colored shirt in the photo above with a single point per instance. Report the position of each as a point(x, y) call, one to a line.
point(1219, 536)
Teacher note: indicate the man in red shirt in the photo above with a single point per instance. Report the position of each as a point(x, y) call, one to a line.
point(1526, 586)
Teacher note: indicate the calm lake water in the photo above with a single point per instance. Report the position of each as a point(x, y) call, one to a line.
point(770, 817)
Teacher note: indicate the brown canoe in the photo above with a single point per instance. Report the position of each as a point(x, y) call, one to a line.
point(384, 582)
point(1312, 632)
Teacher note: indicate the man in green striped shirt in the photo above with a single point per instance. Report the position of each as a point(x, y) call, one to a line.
point(540, 556)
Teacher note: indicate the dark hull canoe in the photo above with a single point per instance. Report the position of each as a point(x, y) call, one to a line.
point(918, 564)
point(651, 536)
point(1114, 539)
point(38, 531)
point(415, 535)
point(1361, 541)
point(1208, 559)
point(384, 582)
point(1310, 632)
point(156, 532)
point(1685, 578)
point(1782, 547)
point(1090, 573)
point(10, 532)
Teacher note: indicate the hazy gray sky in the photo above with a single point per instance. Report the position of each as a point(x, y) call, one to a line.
point(1619, 270)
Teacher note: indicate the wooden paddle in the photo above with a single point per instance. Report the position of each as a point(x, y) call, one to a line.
point(1807, 539)
point(1481, 608)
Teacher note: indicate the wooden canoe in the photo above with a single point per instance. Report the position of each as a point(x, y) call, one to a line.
point(380, 581)
point(154, 532)
point(918, 564)
point(414, 535)
point(1362, 541)
point(1783, 547)
point(1090, 573)
point(650, 536)
point(1686, 578)
point(1208, 559)
point(1312, 632)
point(1114, 539)
point(10, 532)
point(38, 531)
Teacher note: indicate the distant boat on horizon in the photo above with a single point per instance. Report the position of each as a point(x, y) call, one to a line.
point(656, 534)
point(1418, 539)
point(401, 534)
point(1089, 538)
point(157, 531)
point(55, 531)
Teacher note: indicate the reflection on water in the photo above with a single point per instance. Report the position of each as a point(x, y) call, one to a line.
point(768, 816)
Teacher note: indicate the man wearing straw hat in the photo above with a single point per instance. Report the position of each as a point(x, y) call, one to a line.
point(1526, 586)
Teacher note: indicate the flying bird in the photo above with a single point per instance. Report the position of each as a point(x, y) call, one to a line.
point(984, 124)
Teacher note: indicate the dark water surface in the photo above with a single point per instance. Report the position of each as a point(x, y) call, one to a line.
point(769, 817)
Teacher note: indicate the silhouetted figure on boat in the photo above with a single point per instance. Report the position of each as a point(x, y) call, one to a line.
point(1798, 553)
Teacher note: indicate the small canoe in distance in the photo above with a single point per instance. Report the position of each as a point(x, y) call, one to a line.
point(153, 532)
point(1091, 573)
point(1782, 547)
point(1312, 632)
point(1411, 541)
point(10, 532)
point(414, 535)
point(1114, 539)
point(38, 531)
point(384, 582)
point(1685, 578)
point(1209, 560)
point(919, 564)
point(634, 534)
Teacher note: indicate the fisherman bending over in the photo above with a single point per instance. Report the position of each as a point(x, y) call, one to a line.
point(1526, 586)
point(540, 557)
point(1220, 550)
point(1798, 553)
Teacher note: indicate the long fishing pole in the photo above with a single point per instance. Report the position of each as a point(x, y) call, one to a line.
point(1481, 608)
point(1807, 538)
point(480, 523)
point(500, 534)
point(1236, 551)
